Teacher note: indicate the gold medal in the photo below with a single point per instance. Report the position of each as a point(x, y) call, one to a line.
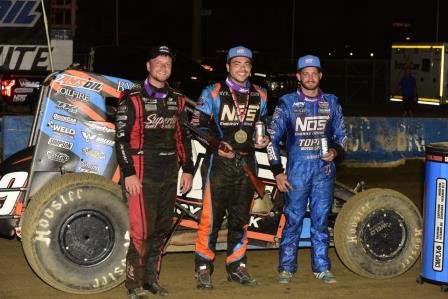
point(240, 136)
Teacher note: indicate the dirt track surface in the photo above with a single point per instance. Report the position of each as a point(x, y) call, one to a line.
point(17, 280)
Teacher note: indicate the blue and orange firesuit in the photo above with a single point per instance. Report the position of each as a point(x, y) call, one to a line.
point(226, 187)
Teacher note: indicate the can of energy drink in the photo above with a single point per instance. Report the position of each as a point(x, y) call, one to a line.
point(259, 132)
point(323, 146)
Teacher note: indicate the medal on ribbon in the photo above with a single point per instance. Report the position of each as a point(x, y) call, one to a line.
point(240, 136)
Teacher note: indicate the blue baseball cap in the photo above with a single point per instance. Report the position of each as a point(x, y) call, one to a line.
point(239, 51)
point(308, 61)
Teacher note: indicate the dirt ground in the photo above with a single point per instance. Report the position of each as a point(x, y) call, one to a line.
point(18, 281)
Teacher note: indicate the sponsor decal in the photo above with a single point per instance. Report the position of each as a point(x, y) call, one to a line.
point(298, 104)
point(311, 123)
point(97, 138)
point(29, 84)
point(15, 13)
point(99, 128)
point(153, 121)
point(67, 107)
point(122, 108)
point(94, 153)
point(64, 118)
point(271, 153)
point(230, 113)
point(67, 80)
point(121, 125)
point(171, 101)
point(19, 98)
point(439, 225)
point(60, 143)
point(149, 101)
point(151, 107)
point(277, 112)
point(309, 144)
point(8, 199)
point(124, 85)
point(61, 130)
point(75, 95)
point(174, 108)
point(122, 117)
point(324, 110)
point(24, 57)
point(23, 90)
point(90, 168)
point(323, 104)
point(57, 156)
point(299, 111)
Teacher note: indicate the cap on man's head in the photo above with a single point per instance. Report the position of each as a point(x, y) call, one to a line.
point(308, 61)
point(160, 50)
point(239, 51)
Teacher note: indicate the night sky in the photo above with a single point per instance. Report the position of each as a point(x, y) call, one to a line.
point(321, 27)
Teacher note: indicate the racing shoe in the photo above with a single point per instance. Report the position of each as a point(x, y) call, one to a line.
point(241, 275)
point(285, 277)
point(326, 276)
point(138, 293)
point(204, 278)
point(155, 288)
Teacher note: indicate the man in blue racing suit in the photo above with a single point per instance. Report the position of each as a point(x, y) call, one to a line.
point(313, 124)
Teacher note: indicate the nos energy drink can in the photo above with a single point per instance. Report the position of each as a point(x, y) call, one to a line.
point(323, 146)
point(259, 132)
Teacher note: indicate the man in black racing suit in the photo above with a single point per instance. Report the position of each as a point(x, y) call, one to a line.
point(151, 144)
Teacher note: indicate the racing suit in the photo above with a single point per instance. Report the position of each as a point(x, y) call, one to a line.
point(224, 111)
point(151, 143)
point(305, 121)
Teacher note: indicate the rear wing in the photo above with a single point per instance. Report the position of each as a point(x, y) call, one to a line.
point(74, 130)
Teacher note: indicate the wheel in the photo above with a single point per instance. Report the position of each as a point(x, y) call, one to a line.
point(444, 288)
point(378, 233)
point(75, 234)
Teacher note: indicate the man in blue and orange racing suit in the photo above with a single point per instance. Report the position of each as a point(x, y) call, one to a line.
point(310, 120)
point(151, 144)
point(228, 110)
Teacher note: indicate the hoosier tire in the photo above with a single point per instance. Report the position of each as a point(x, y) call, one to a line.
point(378, 233)
point(75, 234)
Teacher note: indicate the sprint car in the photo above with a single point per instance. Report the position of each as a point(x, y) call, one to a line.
point(61, 195)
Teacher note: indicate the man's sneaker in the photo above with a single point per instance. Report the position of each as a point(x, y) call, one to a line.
point(204, 278)
point(155, 288)
point(326, 276)
point(285, 277)
point(138, 293)
point(241, 275)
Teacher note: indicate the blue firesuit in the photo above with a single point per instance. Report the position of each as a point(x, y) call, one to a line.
point(304, 122)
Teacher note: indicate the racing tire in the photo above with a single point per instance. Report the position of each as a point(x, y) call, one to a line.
point(378, 233)
point(76, 234)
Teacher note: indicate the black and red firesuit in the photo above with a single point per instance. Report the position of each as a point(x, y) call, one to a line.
point(151, 143)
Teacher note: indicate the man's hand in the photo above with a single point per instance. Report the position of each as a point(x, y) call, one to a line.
point(330, 156)
point(230, 154)
point(132, 185)
point(282, 182)
point(264, 144)
point(186, 181)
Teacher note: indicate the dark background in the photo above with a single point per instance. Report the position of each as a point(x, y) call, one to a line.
point(321, 27)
